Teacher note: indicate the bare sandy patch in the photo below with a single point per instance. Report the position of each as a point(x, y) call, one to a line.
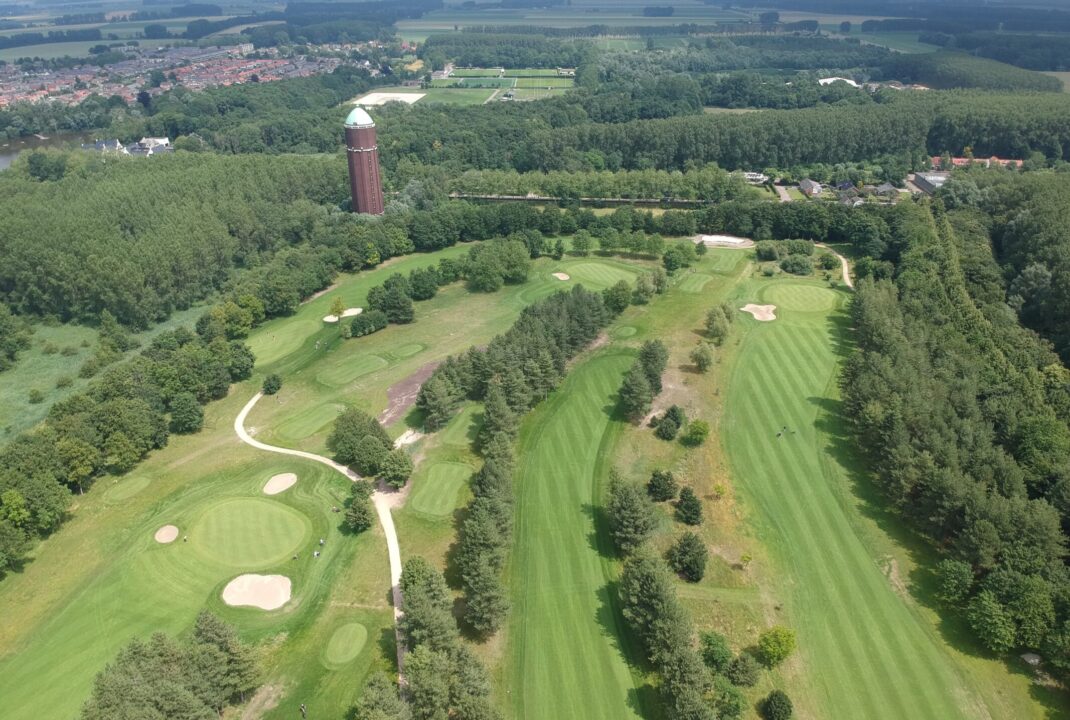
point(279, 483)
point(723, 241)
point(166, 534)
point(348, 312)
point(562, 276)
point(762, 313)
point(408, 438)
point(402, 394)
point(382, 98)
point(267, 592)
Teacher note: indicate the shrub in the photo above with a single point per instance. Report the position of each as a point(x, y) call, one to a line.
point(696, 433)
point(715, 651)
point(767, 250)
point(743, 671)
point(661, 486)
point(829, 261)
point(777, 706)
point(35, 396)
point(730, 701)
point(797, 265)
point(368, 322)
point(666, 428)
point(272, 384)
point(688, 557)
point(775, 645)
point(359, 515)
point(799, 247)
point(689, 508)
point(956, 581)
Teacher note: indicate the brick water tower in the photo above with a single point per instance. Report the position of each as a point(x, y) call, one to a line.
point(363, 154)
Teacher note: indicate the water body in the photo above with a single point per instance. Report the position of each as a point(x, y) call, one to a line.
point(10, 149)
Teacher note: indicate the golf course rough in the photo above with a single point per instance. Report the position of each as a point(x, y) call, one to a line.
point(564, 658)
point(866, 652)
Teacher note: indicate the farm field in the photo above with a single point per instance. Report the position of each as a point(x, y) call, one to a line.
point(50, 51)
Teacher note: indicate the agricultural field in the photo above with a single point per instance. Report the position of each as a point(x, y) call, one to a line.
point(1064, 77)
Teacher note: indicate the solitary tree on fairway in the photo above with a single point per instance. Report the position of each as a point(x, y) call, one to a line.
point(337, 307)
point(395, 468)
point(272, 384)
point(717, 324)
point(689, 507)
point(743, 671)
point(702, 357)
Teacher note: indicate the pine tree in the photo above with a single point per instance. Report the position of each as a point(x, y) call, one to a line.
point(635, 393)
point(498, 417)
point(661, 486)
point(689, 507)
point(654, 357)
point(631, 515)
point(688, 557)
point(438, 400)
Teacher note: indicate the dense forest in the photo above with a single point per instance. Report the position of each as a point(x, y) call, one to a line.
point(1035, 52)
point(963, 415)
point(945, 70)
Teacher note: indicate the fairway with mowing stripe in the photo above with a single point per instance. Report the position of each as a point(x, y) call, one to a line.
point(866, 651)
point(564, 659)
point(436, 493)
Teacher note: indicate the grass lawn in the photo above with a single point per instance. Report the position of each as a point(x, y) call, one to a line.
point(44, 365)
point(564, 656)
point(545, 82)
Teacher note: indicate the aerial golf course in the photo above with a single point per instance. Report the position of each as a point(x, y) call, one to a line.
point(824, 563)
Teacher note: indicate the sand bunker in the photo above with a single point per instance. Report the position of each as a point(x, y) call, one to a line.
point(166, 534)
point(348, 312)
point(764, 313)
point(561, 276)
point(382, 98)
point(279, 483)
point(723, 241)
point(267, 592)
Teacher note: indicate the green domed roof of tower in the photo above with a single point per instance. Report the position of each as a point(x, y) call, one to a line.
point(359, 117)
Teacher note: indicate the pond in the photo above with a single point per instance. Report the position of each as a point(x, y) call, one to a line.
point(10, 149)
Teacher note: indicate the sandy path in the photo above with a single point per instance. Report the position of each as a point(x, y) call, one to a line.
point(382, 500)
point(843, 265)
point(782, 193)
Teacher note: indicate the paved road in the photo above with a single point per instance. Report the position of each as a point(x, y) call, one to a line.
point(383, 500)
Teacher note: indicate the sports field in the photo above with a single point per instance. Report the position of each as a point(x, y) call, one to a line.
point(103, 579)
point(565, 634)
point(867, 648)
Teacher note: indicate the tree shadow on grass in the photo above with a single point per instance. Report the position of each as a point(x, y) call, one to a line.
point(643, 697)
point(388, 643)
point(922, 583)
point(598, 537)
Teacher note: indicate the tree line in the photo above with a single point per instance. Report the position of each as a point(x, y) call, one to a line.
point(947, 69)
point(504, 50)
point(963, 415)
point(514, 373)
point(443, 676)
point(1033, 52)
point(193, 679)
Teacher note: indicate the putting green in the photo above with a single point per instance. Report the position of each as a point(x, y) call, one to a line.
point(435, 493)
point(127, 488)
point(348, 367)
point(345, 644)
point(694, 282)
point(409, 350)
point(624, 331)
point(787, 295)
point(597, 275)
point(249, 533)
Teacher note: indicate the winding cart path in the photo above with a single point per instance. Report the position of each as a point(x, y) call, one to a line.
point(383, 500)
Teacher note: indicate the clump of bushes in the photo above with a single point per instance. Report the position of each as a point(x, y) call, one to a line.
point(797, 265)
point(670, 423)
point(368, 322)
